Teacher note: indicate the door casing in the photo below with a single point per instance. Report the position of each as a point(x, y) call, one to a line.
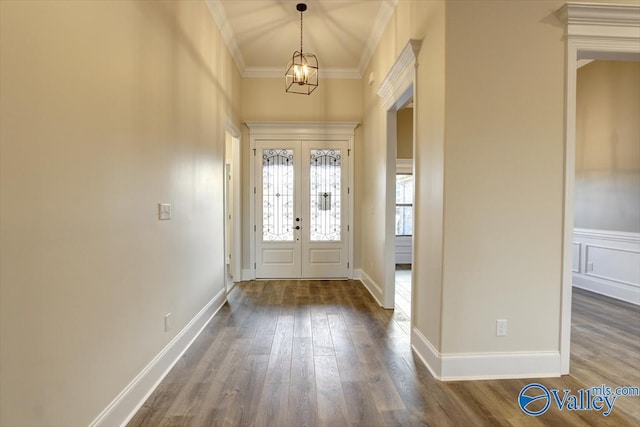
point(300, 256)
point(305, 132)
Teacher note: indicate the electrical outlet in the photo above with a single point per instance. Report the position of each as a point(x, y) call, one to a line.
point(164, 210)
point(501, 327)
point(589, 266)
point(168, 322)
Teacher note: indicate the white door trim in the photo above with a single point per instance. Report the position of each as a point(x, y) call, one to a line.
point(236, 175)
point(594, 31)
point(305, 131)
point(398, 87)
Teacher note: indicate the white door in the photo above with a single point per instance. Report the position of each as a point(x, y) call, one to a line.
point(301, 209)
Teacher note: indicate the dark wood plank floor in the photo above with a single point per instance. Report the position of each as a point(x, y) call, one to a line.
point(313, 353)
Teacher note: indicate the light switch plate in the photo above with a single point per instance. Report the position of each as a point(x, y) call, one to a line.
point(168, 322)
point(501, 327)
point(164, 210)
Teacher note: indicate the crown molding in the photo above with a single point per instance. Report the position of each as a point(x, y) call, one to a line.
point(574, 13)
point(221, 20)
point(380, 24)
point(593, 25)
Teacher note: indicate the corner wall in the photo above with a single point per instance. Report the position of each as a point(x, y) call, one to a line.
point(504, 171)
point(107, 109)
point(489, 182)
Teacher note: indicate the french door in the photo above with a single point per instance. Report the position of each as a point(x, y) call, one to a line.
point(301, 210)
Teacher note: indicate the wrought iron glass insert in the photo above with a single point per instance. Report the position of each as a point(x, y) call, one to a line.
point(325, 187)
point(277, 195)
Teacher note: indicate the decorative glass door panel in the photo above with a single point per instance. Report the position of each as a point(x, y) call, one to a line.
point(277, 195)
point(301, 202)
point(277, 201)
point(325, 185)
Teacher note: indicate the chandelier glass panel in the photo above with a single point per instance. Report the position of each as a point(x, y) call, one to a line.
point(301, 76)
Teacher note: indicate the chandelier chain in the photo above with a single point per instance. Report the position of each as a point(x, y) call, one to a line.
point(300, 33)
point(301, 76)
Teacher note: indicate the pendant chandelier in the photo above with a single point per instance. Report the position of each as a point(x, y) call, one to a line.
point(302, 71)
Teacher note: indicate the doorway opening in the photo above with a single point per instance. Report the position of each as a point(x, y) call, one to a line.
point(611, 34)
point(397, 91)
point(300, 206)
point(606, 234)
point(404, 190)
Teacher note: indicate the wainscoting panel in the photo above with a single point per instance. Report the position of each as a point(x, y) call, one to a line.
point(577, 250)
point(608, 263)
point(404, 249)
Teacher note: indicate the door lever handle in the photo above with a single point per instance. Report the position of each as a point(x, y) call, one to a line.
point(297, 227)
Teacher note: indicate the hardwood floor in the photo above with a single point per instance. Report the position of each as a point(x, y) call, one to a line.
point(402, 313)
point(605, 344)
point(313, 353)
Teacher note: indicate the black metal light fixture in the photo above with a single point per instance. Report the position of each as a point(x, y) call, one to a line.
point(302, 71)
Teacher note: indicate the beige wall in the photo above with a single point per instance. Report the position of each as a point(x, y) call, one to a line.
point(404, 149)
point(489, 171)
point(607, 186)
point(264, 99)
point(503, 176)
point(107, 108)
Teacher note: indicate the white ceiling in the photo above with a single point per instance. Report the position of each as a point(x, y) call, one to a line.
point(263, 34)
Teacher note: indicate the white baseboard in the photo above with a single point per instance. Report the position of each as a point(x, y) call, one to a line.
point(247, 274)
point(372, 287)
point(426, 352)
point(485, 366)
point(493, 366)
point(129, 401)
point(614, 290)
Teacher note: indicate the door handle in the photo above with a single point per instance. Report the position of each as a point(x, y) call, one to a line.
point(297, 227)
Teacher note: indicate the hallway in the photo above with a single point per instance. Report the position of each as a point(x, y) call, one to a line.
point(313, 353)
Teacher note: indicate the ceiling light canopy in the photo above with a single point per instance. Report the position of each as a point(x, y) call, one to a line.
point(301, 76)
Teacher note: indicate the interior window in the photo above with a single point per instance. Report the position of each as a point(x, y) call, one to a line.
point(404, 205)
